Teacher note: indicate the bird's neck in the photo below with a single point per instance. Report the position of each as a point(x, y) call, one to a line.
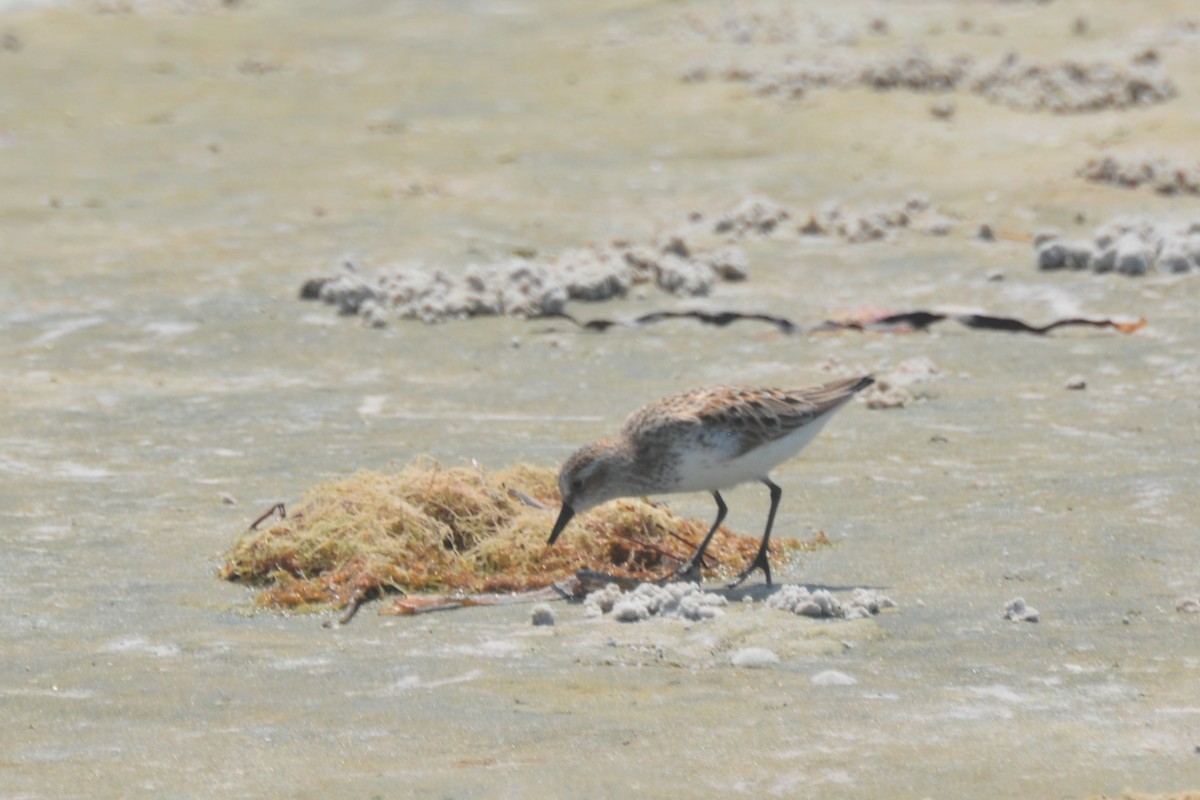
point(620, 463)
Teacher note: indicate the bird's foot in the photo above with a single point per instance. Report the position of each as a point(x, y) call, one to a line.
point(759, 562)
point(688, 571)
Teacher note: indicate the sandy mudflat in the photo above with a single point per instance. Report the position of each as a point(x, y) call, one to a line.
point(174, 172)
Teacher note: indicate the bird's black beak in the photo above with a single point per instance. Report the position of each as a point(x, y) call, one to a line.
point(564, 517)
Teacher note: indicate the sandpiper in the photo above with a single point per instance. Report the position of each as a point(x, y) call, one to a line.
point(707, 439)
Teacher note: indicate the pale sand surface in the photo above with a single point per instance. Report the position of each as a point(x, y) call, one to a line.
point(171, 176)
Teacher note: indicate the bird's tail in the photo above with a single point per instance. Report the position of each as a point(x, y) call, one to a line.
point(831, 395)
point(861, 383)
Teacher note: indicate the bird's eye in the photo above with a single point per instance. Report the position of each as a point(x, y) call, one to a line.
point(576, 485)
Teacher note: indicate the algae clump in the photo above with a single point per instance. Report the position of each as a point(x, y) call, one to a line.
point(428, 529)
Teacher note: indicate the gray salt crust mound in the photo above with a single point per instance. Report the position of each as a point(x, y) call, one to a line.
point(832, 677)
point(1164, 176)
point(821, 603)
point(675, 263)
point(754, 658)
point(526, 288)
point(1064, 87)
point(1128, 245)
point(763, 217)
point(688, 601)
point(681, 600)
point(903, 384)
point(1072, 87)
point(1016, 610)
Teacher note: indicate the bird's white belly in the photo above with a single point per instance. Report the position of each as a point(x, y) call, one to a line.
point(714, 466)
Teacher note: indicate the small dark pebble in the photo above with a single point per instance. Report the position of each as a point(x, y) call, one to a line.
point(311, 290)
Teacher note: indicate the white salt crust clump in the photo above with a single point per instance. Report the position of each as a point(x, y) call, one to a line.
point(1126, 245)
point(682, 600)
point(914, 70)
point(831, 677)
point(796, 24)
point(1188, 605)
point(675, 263)
point(1163, 176)
point(754, 658)
point(763, 217)
point(903, 384)
point(760, 215)
point(821, 603)
point(1062, 87)
point(1072, 86)
point(1016, 610)
point(527, 288)
point(881, 222)
point(781, 23)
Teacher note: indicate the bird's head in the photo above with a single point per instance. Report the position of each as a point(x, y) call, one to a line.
point(592, 475)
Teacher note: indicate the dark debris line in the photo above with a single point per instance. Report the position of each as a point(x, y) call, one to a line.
point(884, 322)
point(899, 322)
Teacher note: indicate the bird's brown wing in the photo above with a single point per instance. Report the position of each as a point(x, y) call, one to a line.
point(756, 415)
point(752, 415)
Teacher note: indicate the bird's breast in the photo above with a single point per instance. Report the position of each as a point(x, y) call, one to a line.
point(724, 458)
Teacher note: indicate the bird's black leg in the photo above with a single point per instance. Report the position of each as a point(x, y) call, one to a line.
point(690, 569)
point(760, 560)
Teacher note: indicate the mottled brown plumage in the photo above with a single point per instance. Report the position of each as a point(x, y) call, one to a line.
point(707, 439)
